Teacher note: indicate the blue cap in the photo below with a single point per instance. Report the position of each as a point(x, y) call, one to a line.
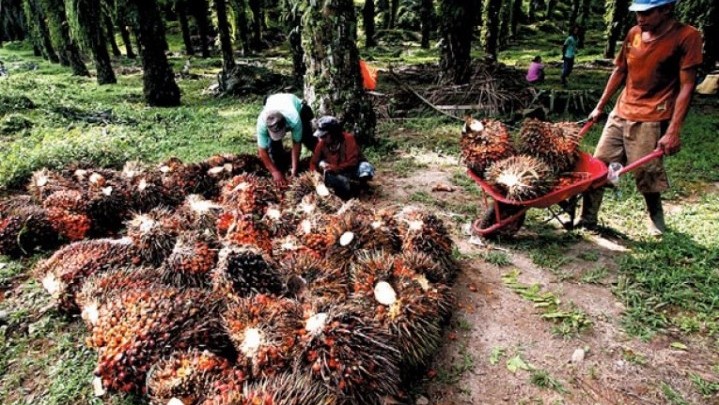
point(644, 5)
point(327, 125)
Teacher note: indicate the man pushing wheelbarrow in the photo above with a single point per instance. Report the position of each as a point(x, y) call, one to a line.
point(657, 66)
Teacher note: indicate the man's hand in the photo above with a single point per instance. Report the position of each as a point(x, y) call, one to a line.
point(279, 178)
point(323, 165)
point(670, 143)
point(596, 114)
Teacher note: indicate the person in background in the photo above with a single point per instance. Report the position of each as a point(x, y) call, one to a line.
point(658, 67)
point(535, 73)
point(338, 156)
point(569, 51)
point(283, 113)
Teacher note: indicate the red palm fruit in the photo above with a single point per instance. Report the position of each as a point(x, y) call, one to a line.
point(422, 263)
point(424, 232)
point(226, 389)
point(384, 234)
point(67, 212)
point(45, 182)
point(187, 179)
point(249, 194)
point(287, 389)
point(310, 188)
point(100, 287)
point(145, 188)
point(24, 227)
point(138, 327)
point(245, 270)
point(197, 213)
point(284, 249)
point(483, 143)
point(185, 376)
point(264, 331)
point(312, 232)
point(192, 259)
point(153, 234)
point(402, 302)
point(67, 269)
point(351, 354)
point(555, 144)
point(278, 222)
point(242, 229)
point(521, 177)
point(309, 278)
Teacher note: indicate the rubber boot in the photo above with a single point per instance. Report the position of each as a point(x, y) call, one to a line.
point(655, 224)
point(590, 209)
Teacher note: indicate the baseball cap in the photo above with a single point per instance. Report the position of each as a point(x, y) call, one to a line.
point(644, 5)
point(276, 125)
point(327, 124)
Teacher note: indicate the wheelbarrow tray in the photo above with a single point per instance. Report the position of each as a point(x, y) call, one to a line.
point(595, 173)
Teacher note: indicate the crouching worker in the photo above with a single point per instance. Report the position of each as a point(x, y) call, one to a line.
point(338, 156)
point(283, 113)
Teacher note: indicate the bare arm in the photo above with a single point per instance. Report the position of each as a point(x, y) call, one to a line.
point(671, 142)
point(616, 80)
point(276, 173)
point(296, 149)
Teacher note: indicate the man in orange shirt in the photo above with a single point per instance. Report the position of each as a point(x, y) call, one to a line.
point(338, 156)
point(657, 66)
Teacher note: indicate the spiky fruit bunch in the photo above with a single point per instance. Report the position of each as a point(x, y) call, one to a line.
point(283, 389)
point(187, 178)
point(312, 232)
point(264, 331)
point(24, 228)
point(245, 270)
point(145, 188)
point(310, 189)
point(424, 232)
point(66, 270)
point(483, 143)
point(521, 177)
point(310, 279)
point(278, 222)
point(186, 376)
point(285, 249)
point(556, 144)
point(100, 287)
point(45, 182)
point(108, 201)
point(249, 194)
point(154, 234)
point(349, 234)
point(227, 389)
point(67, 212)
point(198, 213)
point(192, 259)
point(136, 328)
point(350, 353)
point(422, 263)
point(243, 229)
point(398, 299)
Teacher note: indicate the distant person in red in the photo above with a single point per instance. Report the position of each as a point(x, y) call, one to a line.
point(338, 156)
point(535, 73)
point(657, 68)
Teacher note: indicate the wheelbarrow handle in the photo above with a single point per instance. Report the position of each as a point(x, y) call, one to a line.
point(650, 156)
point(585, 128)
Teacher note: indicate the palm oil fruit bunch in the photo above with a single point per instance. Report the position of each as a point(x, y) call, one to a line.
point(44, 182)
point(67, 212)
point(108, 200)
point(309, 188)
point(249, 194)
point(67, 269)
point(264, 330)
point(312, 279)
point(245, 270)
point(352, 354)
point(186, 179)
point(191, 260)
point(424, 232)
point(521, 177)
point(198, 213)
point(138, 327)
point(24, 227)
point(555, 144)
point(349, 233)
point(287, 389)
point(154, 234)
point(101, 287)
point(145, 188)
point(242, 229)
point(402, 302)
point(483, 143)
point(185, 376)
point(278, 222)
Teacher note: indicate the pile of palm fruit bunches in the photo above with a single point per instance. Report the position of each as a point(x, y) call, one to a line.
point(205, 284)
point(540, 159)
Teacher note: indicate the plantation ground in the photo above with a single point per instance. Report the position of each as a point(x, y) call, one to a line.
point(643, 310)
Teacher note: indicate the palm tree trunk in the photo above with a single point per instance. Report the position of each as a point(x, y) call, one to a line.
point(368, 23)
point(110, 32)
point(228, 58)
point(456, 26)
point(426, 14)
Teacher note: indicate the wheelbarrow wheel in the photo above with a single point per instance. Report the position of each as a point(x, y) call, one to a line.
point(489, 218)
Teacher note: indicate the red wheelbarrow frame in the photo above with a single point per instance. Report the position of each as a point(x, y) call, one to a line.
point(568, 195)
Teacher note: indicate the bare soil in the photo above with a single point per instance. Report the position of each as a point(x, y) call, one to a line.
point(490, 318)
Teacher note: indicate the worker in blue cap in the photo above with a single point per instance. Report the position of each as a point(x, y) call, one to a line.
point(657, 67)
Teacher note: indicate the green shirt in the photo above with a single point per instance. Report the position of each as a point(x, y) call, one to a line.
point(289, 106)
point(570, 45)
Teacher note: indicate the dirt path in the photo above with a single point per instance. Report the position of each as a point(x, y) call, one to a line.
point(495, 329)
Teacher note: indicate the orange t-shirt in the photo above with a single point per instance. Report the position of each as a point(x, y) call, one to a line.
point(653, 67)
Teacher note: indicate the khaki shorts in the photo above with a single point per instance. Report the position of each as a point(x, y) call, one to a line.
point(626, 141)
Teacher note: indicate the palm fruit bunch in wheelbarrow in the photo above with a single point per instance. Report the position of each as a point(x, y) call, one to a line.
point(521, 177)
point(556, 144)
point(483, 143)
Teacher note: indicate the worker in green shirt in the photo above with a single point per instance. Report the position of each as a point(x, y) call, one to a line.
point(569, 51)
point(282, 113)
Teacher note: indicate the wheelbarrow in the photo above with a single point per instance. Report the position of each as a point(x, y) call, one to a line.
point(505, 217)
